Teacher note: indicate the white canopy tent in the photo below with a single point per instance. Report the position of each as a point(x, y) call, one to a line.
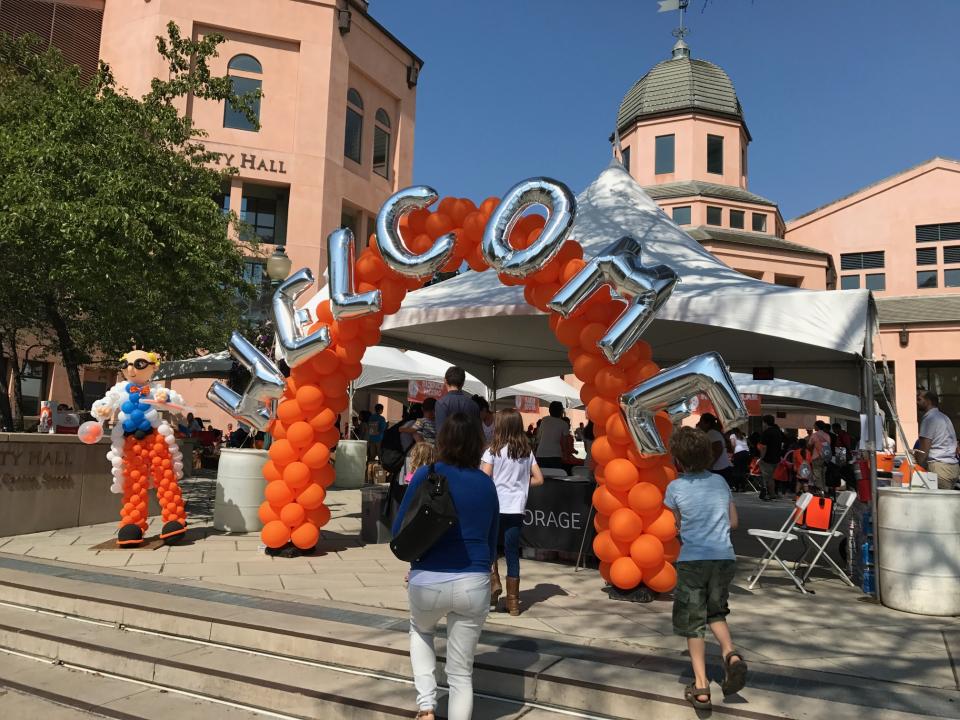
point(491, 331)
point(792, 396)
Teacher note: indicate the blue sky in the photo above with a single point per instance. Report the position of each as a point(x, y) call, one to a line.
point(836, 93)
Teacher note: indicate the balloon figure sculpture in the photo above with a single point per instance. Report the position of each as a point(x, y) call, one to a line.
point(142, 449)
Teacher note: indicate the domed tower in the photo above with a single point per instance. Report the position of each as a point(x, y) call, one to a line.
point(685, 140)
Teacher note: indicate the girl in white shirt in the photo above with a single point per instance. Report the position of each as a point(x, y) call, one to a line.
point(513, 467)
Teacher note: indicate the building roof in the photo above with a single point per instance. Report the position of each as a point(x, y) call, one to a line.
point(704, 233)
point(681, 83)
point(686, 188)
point(918, 309)
point(936, 160)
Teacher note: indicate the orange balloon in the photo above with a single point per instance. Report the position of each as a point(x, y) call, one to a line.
point(437, 224)
point(309, 398)
point(370, 268)
point(292, 515)
point(338, 403)
point(617, 430)
point(370, 336)
point(319, 516)
point(329, 437)
point(550, 272)
point(570, 250)
point(671, 550)
point(587, 366)
point(638, 373)
point(275, 534)
point(312, 496)
point(601, 522)
point(278, 493)
point(604, 451)
point(271, 472)
point(647, 551)
point(323, 476)
point(296, 474)
point(420, 244)
point(587, 393)
point(625, 525)
point(475, 260)
point(392, 294)
point(316, 456)
point(611, 382)
point(306, 536)
point(542, 294)
point(664, 527)
point(570, 269)
point(267, 513)
point(300, 434)
point(489, 205)
point(664, 426)
point(350, 352)
point(282, 452)
point(645, 498)
point(347, 329)
point(569, 330)
point(352, 371)
point(620, 474)
point(625, 574)
point(608, 502)
point(608, 549)
point(600, 409)
point(324, 313)
point(662, 578)
point(605, 571)
point(590, 336)
point(333, 385)
point(417, 219)
point(325, 362)
point(278, 430)
point(324, 420)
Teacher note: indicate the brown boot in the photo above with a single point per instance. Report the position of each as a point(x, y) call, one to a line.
point(513, 596)
point(495, 587)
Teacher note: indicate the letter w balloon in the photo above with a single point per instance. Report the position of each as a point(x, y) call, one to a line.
point(673, 390)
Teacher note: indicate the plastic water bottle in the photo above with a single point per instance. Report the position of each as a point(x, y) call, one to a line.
point(866, 554)
point(868, 523)
point(869, 582)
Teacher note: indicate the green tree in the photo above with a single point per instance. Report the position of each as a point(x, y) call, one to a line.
point(107, 210)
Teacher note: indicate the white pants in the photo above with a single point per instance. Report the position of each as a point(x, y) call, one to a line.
point(465, 603)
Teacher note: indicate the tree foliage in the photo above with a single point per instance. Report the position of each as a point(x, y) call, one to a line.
point(108, 222)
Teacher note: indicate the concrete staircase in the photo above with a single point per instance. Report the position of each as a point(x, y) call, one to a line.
point(77, 642)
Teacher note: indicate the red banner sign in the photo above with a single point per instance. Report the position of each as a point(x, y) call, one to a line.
point(749, 399)
point(420, 390)
point(527, 403)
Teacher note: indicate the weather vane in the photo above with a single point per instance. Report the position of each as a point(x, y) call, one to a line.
point(671, 5)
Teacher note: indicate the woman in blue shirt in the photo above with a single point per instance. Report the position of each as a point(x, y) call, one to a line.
point(452, 579)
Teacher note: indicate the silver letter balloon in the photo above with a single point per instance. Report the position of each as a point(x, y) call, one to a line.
point(392, 248)
point(295, 345)
point(672, 390)
point(562, 208)
point(345, 304)
point(257, 404)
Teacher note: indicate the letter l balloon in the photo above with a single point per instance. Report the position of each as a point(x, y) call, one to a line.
point(345, 304)
point(295, 346)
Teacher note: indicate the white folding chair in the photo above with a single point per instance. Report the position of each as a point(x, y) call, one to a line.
point(819, 539)
point(783, 535)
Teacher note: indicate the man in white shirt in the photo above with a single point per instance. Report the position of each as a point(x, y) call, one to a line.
point(937, 449)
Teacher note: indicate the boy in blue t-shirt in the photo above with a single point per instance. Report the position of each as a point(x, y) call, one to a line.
point(705, 514)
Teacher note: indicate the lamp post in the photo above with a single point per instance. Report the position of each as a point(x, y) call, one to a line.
point(278, 268)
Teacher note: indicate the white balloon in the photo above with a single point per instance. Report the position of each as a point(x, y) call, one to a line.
point(116, 489)
point(171, 440)
point(165, 429)
point(178, 466)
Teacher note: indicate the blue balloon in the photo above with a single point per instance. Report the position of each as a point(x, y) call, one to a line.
point(128, 407)
point(129, 426)
point(145, 425)
point(137, 416)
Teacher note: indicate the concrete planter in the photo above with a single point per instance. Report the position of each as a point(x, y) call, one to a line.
point(351, 464)
point(240, 485)
point(919, 544)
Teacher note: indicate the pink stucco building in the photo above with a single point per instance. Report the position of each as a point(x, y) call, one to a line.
point(337, 117)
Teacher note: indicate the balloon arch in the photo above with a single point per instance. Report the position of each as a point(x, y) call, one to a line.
point(597, 308)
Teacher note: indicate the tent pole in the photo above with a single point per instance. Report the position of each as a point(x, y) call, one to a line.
point(351, 388)
point(871, 445)
point(493, 390)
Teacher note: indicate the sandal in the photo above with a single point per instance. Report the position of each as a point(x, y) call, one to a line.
point(735, 673)
point(692, 693)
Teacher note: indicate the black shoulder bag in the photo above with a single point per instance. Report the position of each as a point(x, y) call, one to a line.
point(430, 514)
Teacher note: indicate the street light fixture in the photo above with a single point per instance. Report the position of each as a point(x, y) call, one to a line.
point(278, 265)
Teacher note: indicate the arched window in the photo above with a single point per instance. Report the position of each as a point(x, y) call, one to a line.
point(381, 143)
point(354, 132)
point(241, 70)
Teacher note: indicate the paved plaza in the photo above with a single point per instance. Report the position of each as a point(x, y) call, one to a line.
point(836, 637)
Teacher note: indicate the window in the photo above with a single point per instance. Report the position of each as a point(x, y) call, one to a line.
point(787, 280)
point(263, 209)
point(951, 254)
point(849, 282)
point(625, 158)
point(862, 260)
point(743, 160)
point(381, 143)
point(681, 215)
point(736, 219)
point(951, 278)
point(354, 132)
point(715, 154)
point(927, 256)
point(759, 222)
point(222, 198)
point(258, 308)
point(34, 380)
point(714, 215)
point(876, 281)
point(663, 160)
point(939, 231)
point(944, 379)
point(927, 279)
point(245, 65)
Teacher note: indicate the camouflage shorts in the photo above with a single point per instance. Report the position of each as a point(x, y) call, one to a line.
point(700, 598)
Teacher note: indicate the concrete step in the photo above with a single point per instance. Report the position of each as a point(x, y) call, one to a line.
point(551, 676)
point(32, 689)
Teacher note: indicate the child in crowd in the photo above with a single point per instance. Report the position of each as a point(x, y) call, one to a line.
point(705, 514)
point(423, 453)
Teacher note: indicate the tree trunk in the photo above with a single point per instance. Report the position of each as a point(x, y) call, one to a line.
point(6, 414)
point(72, 356)
point(16, 411)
